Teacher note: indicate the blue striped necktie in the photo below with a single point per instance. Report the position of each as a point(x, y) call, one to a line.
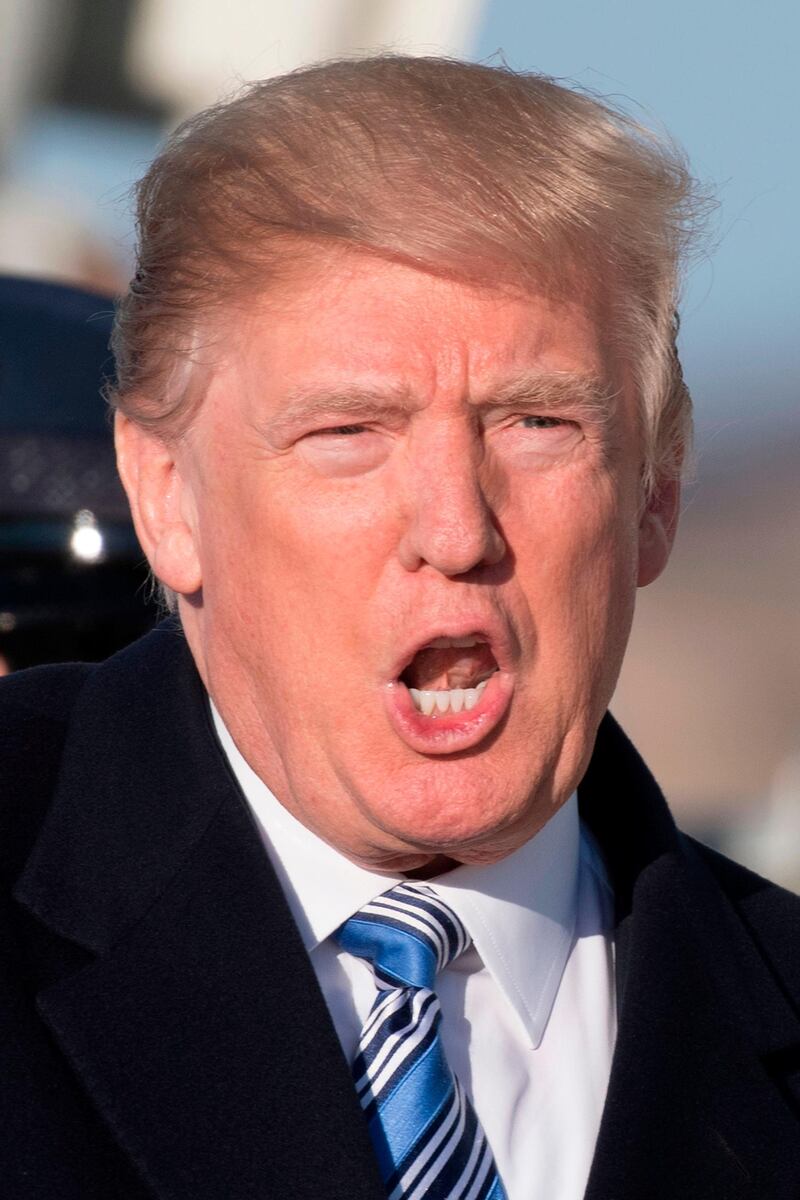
point(424, 1129)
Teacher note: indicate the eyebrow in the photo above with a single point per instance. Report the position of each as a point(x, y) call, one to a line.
point(353, 402)
point(557, 391)
point(587, 395)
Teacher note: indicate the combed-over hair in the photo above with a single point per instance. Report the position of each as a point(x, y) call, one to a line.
point(475, 172)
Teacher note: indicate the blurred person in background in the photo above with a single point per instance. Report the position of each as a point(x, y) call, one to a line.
point(72, 577)
point(401, 423)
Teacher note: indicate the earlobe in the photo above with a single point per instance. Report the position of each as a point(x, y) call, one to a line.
point(160, 501)
point(657, 528)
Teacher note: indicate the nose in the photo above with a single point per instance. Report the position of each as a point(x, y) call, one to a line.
point(450, 523)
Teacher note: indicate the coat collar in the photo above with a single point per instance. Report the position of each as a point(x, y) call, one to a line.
point(199, 1011)
point(198, 1028)
point(698, 1101)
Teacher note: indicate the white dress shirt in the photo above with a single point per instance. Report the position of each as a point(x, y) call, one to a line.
point(528, 1012)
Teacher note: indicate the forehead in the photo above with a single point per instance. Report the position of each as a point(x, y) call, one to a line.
point(361, 319)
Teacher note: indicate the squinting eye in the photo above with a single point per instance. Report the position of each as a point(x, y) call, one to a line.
point(341, 430)
point(343, 450)
point(532, 422)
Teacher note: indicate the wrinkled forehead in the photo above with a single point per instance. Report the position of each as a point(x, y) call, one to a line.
point(352, 329)
point(327, 319)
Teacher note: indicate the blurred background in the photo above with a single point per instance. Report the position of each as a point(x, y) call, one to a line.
point(89, 88)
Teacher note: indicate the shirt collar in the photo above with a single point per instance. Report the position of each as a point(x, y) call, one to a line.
point(521, 911)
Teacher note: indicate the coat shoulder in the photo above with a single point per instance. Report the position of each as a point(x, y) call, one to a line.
point(770, 914)
point(47, 692)
point(35, 710)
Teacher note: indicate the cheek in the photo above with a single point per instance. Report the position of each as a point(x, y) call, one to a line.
point(327, 552)
point(304, 566)
point(576, 559)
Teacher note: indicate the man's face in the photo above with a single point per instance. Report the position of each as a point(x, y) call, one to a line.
point(402, 482)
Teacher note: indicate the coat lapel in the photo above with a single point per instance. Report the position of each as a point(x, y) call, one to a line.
point(696, 1103)
point(198, 1028)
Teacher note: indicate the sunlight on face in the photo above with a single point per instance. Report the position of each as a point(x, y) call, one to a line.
point(415, 506)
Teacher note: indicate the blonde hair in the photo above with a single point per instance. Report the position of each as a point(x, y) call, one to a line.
point(476, 172)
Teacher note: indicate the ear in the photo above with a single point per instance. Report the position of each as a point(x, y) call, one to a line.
point(161, 505)
point(657, 527)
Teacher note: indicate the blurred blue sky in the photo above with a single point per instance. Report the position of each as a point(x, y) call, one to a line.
point(724, 77)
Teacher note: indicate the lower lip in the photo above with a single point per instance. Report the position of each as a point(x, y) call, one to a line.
point(447, 733)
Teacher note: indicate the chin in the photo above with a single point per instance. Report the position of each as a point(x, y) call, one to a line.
point(466, 829)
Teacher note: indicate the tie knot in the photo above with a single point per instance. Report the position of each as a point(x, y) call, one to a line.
point(408, 934)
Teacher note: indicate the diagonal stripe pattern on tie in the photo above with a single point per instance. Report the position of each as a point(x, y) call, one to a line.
point(429, 1143)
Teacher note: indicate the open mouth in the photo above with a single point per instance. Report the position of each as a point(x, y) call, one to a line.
point(449, 674)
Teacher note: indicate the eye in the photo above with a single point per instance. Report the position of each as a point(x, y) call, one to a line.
point(340, 431)
point(537, 441)
point(536, 422)
point(339, 450)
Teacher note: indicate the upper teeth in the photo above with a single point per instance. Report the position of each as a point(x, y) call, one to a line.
point(442, 643)
point(446, 699)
